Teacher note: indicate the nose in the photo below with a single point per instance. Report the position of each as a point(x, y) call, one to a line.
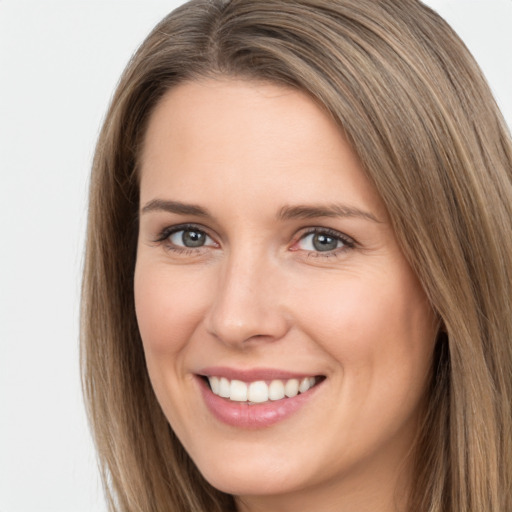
point(248, 305)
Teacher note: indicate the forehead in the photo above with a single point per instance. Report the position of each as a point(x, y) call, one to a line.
point(213, 136)
point(250, 113)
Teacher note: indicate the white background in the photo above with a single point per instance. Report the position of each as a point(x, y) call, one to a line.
point(59, 63)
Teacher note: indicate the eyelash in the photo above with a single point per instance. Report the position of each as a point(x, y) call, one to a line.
point(348, 242)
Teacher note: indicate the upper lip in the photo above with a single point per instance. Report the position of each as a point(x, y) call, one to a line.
point(253, 374)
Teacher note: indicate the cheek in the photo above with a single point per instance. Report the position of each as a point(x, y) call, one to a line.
point(379, 336)
point(169, 305)
point(373, 325)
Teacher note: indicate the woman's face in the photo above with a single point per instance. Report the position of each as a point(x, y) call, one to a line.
point(266, 262)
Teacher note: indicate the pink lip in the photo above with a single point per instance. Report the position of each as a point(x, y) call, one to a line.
point(256, 416)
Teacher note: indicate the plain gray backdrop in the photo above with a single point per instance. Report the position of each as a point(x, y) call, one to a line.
point(59, 63)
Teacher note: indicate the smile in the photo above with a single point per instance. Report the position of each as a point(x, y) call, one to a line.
point(258, 398)
point(259, 391)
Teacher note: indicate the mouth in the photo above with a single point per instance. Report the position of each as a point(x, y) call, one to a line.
point(256, 399)
point(260, 391)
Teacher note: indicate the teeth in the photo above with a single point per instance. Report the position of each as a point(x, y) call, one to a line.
point(291, 388)
point(238, 391)
point(224, 388)
point(306, 383)
point(259, 391)
point(215, 384)
point(276, 390)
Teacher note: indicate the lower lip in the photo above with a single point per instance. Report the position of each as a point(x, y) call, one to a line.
point(243, 415)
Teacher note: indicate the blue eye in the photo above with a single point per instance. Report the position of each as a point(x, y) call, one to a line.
point(190, 238)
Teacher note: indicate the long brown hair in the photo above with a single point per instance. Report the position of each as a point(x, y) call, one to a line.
point(417, 110)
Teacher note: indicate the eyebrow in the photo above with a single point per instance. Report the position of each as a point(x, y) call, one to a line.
point(286, 212)
point(174, 207)
point(332, 210)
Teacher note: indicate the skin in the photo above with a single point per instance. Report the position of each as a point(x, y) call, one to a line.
point(259, 294)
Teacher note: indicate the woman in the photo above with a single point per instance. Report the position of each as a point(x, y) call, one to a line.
point(298, 283)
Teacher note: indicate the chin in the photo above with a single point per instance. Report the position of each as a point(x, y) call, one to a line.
point(254, 475)
point(251, 484)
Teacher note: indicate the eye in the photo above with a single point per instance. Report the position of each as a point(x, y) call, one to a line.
point(189, 237)
point(323, 241)
point(184, 237)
